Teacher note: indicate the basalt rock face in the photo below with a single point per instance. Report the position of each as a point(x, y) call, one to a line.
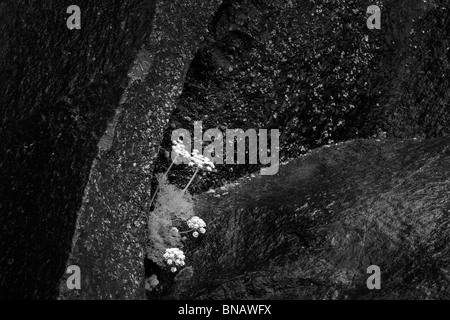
point(83, 113)
point(110, 237)
point(103, 92)
point(312, 231)
point(313, 70)
point(59, 90)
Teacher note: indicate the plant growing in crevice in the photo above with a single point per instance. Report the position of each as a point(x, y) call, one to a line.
point(173, 211)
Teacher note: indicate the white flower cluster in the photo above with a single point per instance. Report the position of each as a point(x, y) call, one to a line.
point(178, 148)
point(195, 159)
point(174, 258)
point(197, 223)
point(201, 161)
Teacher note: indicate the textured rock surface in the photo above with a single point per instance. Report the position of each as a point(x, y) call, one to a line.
point(59, 90)
point(315, 72)
point(106, 92)
point(311, 231)
point(110, 237)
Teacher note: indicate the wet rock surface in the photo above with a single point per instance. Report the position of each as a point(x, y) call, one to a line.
point(85, 113)
point(314, 71)
point(312, 231)
point(59, 90)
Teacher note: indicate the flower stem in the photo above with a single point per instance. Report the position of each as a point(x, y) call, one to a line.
point(186, 231)
point(190, 181)
point(170, 167)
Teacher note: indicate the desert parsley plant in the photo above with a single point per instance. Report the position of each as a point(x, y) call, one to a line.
point(173, 211)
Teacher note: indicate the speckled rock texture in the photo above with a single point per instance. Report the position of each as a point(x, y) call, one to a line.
point(83, 113)
point(312, 231)
point(59, 90)
point(264, 60)
point(110, 236)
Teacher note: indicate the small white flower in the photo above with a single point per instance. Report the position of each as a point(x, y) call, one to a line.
point(173, 269)
point(174, 257)
point(200, 161)
point(195, 234)
point(180, 150)
point(202, 230)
